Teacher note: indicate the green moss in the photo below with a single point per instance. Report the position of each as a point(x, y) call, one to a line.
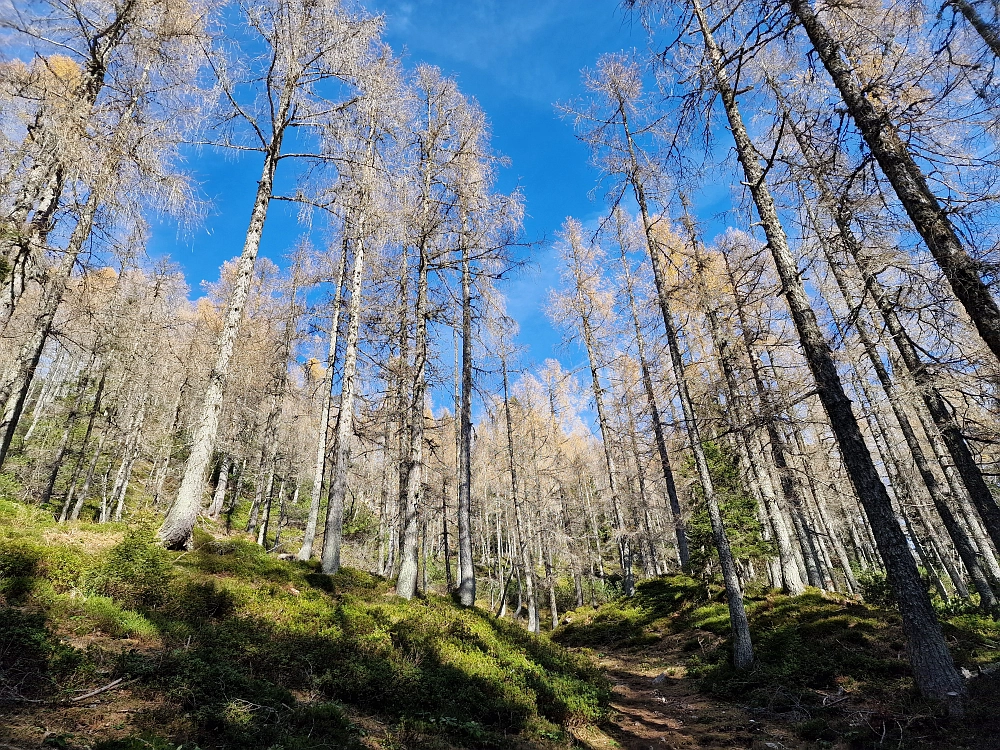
point(110, 617)
point(258, 652)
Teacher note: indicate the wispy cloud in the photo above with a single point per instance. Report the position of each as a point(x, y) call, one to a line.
point(526, 47)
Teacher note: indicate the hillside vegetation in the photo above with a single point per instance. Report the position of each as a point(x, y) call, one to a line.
point(226, 647)
point(831, 671)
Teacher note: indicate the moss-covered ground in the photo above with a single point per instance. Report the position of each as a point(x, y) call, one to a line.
point(830, 671)
point(225, 646)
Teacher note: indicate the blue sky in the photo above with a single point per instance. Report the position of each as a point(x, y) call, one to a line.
point(516, 58)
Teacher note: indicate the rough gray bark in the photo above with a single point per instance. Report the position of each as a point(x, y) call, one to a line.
point(933, 667)
point(929, 217)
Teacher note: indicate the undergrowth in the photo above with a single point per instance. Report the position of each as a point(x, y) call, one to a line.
point(836, 666)
point(250, 651)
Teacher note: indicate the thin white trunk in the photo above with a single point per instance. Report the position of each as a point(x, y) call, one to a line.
point(175, 533)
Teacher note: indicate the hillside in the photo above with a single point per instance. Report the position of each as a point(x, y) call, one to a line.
point(109, 642)
point(226, 647)
point(830, 672)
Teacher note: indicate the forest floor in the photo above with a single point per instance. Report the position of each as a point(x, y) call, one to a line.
point(656, 707)
point(108, 642)
point(830, 673)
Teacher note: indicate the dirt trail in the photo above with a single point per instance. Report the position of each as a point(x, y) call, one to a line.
point(656, 707)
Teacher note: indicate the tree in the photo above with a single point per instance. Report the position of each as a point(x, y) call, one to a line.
point(305, 44)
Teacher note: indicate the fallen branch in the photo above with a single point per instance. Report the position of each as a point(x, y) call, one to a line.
point(110, 686)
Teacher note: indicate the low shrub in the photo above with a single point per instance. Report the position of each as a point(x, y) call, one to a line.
point(136, 572)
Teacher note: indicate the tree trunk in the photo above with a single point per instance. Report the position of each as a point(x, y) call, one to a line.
point(986, 30)
point(939, 494)
point(933, 667)
point(333, 533)
point(680, 532)
point(219, 498)
point(406, 583)
point(320, 464)
point(175, 533)
point(466, 568)
point(909, 183)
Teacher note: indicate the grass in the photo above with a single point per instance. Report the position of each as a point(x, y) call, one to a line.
point(229, 647)
point(810, 649)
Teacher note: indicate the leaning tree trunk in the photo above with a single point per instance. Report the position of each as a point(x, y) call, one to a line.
point(792, 582)
point(175, 533)
point(985, 29)
point(939, 493)
point(929, 218)
point(933, 667)
point(941, 415)
point(791, 575)
point(743, 648)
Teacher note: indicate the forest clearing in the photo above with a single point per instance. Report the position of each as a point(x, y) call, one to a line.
point(656, 404)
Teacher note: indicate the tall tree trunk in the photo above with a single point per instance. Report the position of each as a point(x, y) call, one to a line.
point(933, 667)
point(162, 465)
point(175, 533)
point(909, 183)
point(583, 306)
point(937, 406)
point(939, 494)
point(124, 475)
point(466, 568)
point(320, 464)
point(742, 645)
point(524, 553)
point(81, 496)
point(791, 575)
point(333, 533)
point(94, 411)
point(680, 533)
point(406, 583)
point(71, 418)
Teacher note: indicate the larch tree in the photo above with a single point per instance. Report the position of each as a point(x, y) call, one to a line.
point(309, 48)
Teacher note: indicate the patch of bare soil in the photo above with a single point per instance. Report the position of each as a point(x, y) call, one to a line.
point(655, 706)
point(112, 714)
